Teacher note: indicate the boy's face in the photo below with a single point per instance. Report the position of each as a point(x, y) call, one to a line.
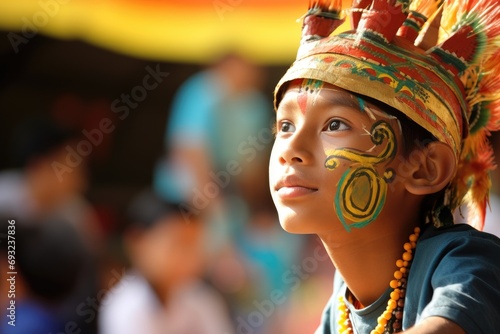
point(332, 160)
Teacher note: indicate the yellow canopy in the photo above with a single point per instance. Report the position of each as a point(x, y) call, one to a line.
point(180, 31)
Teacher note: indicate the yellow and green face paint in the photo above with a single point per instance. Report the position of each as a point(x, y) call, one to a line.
point(362, 190)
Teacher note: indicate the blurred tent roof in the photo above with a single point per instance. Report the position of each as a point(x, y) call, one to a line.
point(191, 31)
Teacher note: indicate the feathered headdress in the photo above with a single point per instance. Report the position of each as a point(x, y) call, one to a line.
point(436, 61)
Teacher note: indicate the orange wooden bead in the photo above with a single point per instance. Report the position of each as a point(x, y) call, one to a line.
point(407, 256)
point(395, 304)
point(394, 295)
point(392, 304)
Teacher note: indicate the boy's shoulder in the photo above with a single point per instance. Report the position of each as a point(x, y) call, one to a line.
point(455, 274)
point(457, 242)
point(454, 233)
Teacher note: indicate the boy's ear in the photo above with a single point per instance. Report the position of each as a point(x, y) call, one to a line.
point(432, 168)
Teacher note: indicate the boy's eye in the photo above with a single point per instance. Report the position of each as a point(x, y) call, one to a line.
point(286, 127)
point(336, 125)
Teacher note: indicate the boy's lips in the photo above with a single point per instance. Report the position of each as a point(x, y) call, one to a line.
point(291, 186)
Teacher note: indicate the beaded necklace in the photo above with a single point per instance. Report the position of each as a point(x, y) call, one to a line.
point(391, 319)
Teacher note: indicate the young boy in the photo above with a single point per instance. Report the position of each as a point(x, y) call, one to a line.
point(163, 292)
point(379, 139)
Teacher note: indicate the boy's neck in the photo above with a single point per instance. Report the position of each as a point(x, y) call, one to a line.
point(366, 258)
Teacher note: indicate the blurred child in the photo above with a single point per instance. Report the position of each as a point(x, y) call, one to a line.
point(49, 257)
point(50, 186)
point(163, 291)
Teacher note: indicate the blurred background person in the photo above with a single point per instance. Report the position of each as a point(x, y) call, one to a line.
point(217, 143)
point(163, 292)
point(45, 184)
point(38, 192)
point(49, 258)
point(213, 112)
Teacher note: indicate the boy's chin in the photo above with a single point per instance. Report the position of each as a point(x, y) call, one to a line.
point(297, 227)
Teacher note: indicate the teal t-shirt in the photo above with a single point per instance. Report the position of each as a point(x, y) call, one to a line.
point(455, 274)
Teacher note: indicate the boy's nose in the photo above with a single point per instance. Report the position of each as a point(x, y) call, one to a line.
point(291, 159)
point(297, 150)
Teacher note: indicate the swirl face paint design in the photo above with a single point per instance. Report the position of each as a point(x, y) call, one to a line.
point(361, 191)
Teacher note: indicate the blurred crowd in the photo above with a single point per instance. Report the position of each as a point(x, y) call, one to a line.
point(200, 248)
